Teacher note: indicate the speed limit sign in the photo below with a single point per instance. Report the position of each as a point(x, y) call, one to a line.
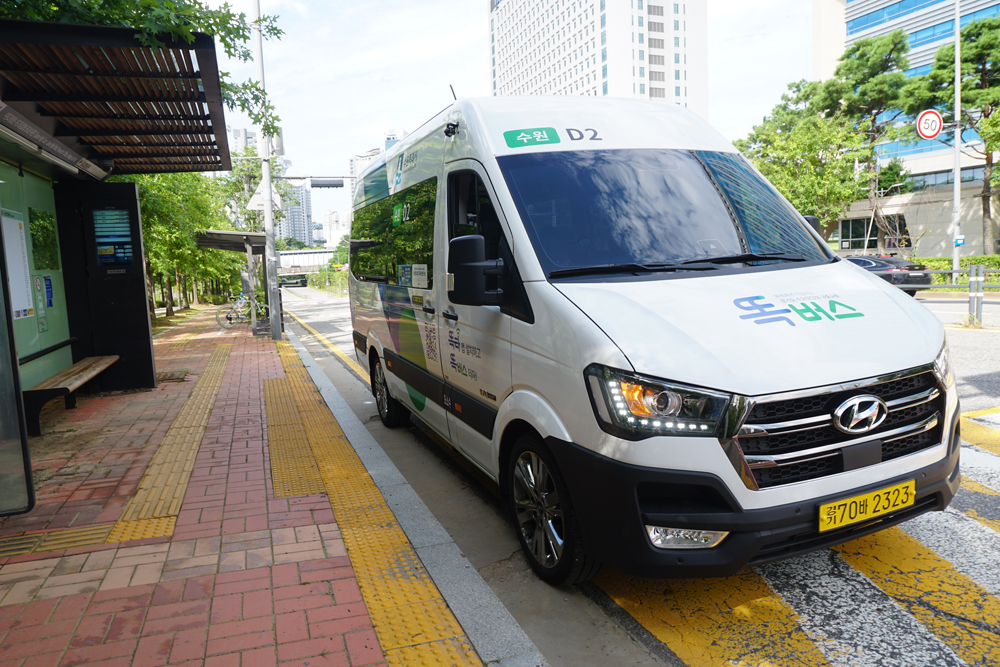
point(929, 124)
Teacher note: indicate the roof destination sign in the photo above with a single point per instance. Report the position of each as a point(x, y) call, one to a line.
point(929, 124)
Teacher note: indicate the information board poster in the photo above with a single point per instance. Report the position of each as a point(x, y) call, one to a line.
point(18, 271)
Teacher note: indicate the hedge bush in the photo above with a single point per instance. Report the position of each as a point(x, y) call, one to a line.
point(944, 264)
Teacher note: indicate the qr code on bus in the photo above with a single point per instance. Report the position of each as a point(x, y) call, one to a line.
point(430, 343)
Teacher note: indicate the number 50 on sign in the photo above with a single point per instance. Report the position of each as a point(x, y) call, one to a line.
point(929, 124)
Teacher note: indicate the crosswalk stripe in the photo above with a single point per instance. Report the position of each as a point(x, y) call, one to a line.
point(960, 612)
point(981, 435)
point(970, 546)
point(735, 620)
point(981, 466)
point(852, 621)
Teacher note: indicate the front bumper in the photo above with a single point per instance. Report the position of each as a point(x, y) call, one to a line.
point(614, 501)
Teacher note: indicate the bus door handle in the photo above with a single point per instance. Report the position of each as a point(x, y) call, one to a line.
point(448, 315)
point(429, 310)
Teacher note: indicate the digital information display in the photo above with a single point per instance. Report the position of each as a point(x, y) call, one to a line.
point(113, 234)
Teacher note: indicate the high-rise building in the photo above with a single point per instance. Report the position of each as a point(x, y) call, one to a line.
point(621, 48)
point(297, 222)
point(393, 137)
point(926, 210)
point(334, 228)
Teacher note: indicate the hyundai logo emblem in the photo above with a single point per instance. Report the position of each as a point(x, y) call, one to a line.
point(860, 414)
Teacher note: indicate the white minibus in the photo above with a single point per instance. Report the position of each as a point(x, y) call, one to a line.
point(607, 309)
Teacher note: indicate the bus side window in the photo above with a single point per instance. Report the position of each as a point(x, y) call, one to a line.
point(471, 211)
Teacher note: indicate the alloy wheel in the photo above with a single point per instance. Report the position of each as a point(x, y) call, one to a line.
point(538, 509)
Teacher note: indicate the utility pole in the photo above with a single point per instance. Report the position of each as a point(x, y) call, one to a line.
point(956, 209)
point(270, 253)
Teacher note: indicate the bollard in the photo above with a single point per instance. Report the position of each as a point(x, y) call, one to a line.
point(973, 269)
point(980, 289)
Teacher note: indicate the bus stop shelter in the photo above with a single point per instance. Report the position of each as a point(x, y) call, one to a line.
point(78, 104)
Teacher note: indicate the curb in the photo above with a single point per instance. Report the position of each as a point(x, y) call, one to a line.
point(494, 633)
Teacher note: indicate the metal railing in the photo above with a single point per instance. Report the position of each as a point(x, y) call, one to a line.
point(977, 285)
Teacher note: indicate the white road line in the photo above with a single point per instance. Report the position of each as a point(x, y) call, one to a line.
point(851, 620)
point(968, 545)
point(981, 466)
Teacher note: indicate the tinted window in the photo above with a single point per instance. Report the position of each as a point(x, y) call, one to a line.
point(647, 206)
point(412, 235)
point(392, 239)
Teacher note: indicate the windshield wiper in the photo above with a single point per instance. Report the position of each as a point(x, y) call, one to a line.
point(746, 257)
point(627, 268)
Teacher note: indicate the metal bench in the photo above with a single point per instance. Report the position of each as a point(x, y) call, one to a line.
point(64, 383)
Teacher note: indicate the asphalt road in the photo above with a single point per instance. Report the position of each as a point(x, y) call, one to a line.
point(924, 593)
point(975, 351)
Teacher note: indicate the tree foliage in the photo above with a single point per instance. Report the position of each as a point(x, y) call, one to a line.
point(808, 157)
point(867, 90)
point(236, 187)
point(158, 22)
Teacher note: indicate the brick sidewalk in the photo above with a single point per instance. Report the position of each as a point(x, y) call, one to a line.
point(237, 577)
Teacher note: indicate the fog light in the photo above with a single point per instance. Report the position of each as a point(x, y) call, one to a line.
point(683, 538)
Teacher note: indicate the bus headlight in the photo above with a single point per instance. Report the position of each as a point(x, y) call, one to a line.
point(635, 407)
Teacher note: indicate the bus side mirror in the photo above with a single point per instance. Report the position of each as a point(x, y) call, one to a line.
point(813, 222)
point(468, 265)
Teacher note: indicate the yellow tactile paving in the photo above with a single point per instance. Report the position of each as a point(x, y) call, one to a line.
point(142, 529)
point(735, 620)
point(440, 654)
point(54, 541)
point(960, 612)
point(413, 623)
point(161, 490)
point(293, 468)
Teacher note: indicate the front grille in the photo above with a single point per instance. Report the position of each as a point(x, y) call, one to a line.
point(781, 449)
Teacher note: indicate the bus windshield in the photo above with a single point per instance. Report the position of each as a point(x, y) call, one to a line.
point(645, 207)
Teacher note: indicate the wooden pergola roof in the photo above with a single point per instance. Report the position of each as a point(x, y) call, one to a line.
point(127, 108)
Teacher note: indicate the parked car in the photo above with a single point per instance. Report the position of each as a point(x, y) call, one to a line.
point(904, 274)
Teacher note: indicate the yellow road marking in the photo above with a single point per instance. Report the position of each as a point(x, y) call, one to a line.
point(981, 436)
point(161, 489)
point(981, 330)
point(976, 487)
point(351, 363)
point(412, 620)
point(735, 620)
point(980, 413)
point(960, 612)
point(54, 541)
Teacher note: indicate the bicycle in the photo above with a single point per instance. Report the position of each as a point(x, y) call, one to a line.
point(232, 314)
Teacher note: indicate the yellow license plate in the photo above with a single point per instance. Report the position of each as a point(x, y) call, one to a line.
point(866, 506)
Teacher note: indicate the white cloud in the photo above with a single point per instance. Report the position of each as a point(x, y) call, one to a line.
point(344, 72)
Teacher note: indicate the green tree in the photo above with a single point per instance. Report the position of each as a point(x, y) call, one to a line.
point(808, 157)
point(280, 244)
point(867, 90)
point(173, 208)
point(980, 66)
point(236, 187)
point(893, 178)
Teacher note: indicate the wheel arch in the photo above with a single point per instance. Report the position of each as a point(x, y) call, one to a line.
point(524, 412)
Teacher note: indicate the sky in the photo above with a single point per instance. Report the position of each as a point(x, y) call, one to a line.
point(345, 73)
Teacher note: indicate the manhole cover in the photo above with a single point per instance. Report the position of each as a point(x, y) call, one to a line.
point(171, 376)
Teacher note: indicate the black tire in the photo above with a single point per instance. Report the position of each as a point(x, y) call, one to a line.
point(911, 292)
point(392, 413)
point(539, 503)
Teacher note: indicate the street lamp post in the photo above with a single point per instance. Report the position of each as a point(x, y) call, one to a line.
point(270, 252)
